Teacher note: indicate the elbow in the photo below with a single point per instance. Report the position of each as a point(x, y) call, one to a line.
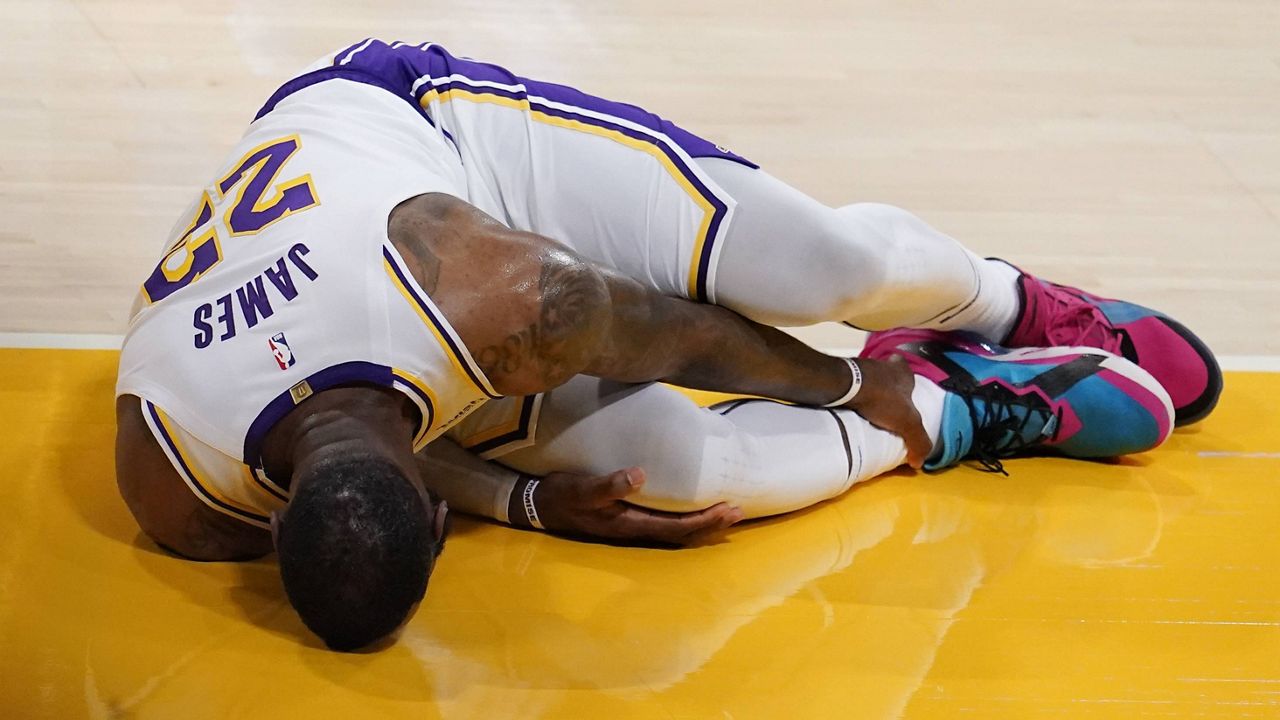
point(575, 318)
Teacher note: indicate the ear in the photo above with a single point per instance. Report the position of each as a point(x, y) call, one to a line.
point(276, 521)
point(440, 523)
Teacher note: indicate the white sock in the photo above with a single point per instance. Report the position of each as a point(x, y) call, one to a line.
point(928, 399)
point(996, 308)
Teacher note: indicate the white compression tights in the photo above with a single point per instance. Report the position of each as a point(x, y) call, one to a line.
point(790, 260)
point(762, 456)
point(787, 260)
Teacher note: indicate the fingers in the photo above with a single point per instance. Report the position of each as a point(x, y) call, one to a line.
point(730, 516)
point(614, 486)
point(599, 508)
point(902, 418)
point(676, 528)
point(919, 447)
point(914, 438)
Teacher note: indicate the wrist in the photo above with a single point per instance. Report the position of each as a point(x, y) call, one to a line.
point(855, 385)
point(522, 511)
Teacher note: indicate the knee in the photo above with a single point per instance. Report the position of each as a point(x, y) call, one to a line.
point(893, 248)
point(849, 257)
point(886, 231)
point(857, 249)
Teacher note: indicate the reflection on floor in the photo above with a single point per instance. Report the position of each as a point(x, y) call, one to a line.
point(1145, 587)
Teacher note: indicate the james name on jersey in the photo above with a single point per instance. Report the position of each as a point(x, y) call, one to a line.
point(252, 299)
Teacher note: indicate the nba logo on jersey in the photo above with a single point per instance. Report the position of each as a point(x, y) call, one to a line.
point(280, 348)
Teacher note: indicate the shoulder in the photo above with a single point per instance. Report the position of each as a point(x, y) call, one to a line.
point(530, 310)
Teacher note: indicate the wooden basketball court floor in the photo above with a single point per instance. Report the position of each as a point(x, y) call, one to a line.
point(1133, 148)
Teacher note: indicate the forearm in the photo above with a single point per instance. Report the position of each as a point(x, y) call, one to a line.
point(467, 482)
point(726, 352)
point(711, 348)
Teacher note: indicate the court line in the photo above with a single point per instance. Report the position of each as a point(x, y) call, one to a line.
point(1230, 363)
point(92, 341)
point(60, 341)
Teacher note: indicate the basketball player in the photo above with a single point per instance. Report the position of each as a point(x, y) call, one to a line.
point(403, 236)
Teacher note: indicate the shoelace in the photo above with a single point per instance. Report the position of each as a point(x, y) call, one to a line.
point(1076, 321)
point(998, 429)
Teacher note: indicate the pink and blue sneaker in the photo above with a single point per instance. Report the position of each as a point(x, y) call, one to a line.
point(1053, 315)
point(1079, 402)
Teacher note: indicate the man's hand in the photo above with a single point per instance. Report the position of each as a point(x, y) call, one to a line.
point(885, 401)
point(596, 506)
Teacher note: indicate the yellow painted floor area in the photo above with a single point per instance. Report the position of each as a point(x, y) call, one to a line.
point(1148, 587)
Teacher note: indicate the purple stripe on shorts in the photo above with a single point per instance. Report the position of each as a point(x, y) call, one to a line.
point(396, 69)
point(701, 292)
point(341, 72)
point(337, 57)
point(692, 144)
point(353, 74)
point(474, 70)
point(469, 87)
point(660, 141)
point(520, 433)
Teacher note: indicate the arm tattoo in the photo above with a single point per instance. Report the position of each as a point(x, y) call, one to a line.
point(423, 265)
point(552, 349)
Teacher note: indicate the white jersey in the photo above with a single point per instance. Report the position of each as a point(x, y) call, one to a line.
point(283, 283)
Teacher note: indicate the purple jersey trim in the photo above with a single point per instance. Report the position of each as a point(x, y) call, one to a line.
point(353, 74)
point(397, 68)
point(430, 419)
point(190, 474)
point(441, 329)
point(356, 371)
